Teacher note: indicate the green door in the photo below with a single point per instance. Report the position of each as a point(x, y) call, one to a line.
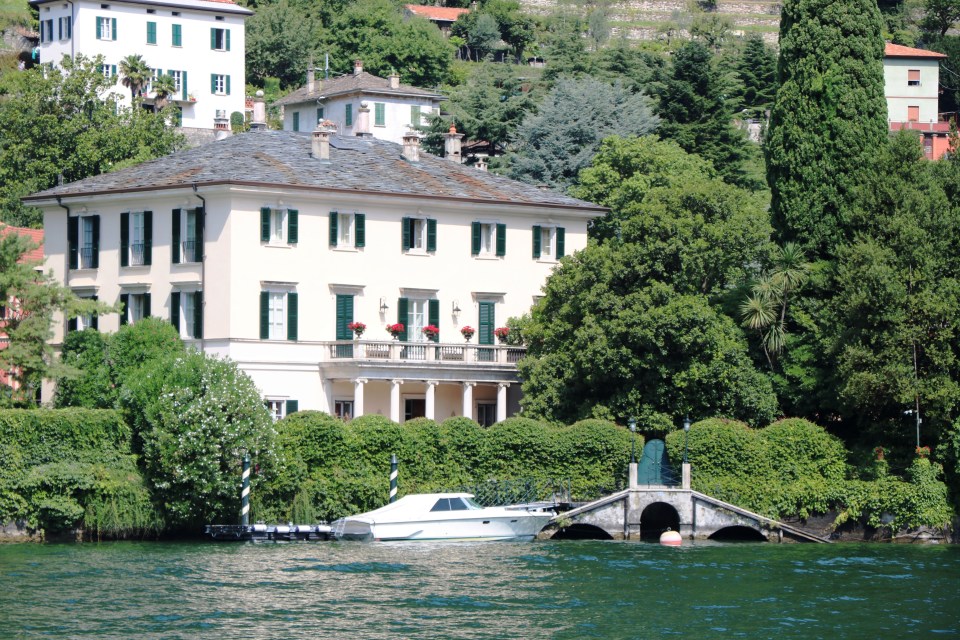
point(654, 468)
point(344, 318)
point(485, 328)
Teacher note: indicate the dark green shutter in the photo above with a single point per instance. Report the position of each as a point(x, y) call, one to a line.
point(227, 79)
point(501, 240)
point(213, 38)
point(198, 315)
point(175, 237)
point(433, 316)
point(198, 220)
point(175, 310)
point(379, 114)
point(148, 237)
point(536, 241)
point(293, 226)
point(344, 316)
point(406, 234)
point(146, 305)
point(151, 33)
point(175, 33)
point(113, 28)
point(348, 115)
point(264, 224)
point(113, 71)
point(95, 260)
point(73, 241)
point(124, 305)
point(124, 239)
point(94, 319)
point(360, 226)
point(334, 229)
point(431, 234)
point(561, 232)
point(475, 235)
point(485, 328)
point(402, 312)
point(226, 34)
point(99, 30)
point(292, 407)
point(213, 84)
point(292, 310)
point(264, 315)
point(183, 81)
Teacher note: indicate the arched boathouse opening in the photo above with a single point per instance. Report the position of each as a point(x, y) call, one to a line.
point(578, 531)
point(657, 518)
point(738, 534)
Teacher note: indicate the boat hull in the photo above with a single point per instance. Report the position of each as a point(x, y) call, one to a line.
point(520, 526)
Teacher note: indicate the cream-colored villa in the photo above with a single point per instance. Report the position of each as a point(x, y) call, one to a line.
point(266, 247)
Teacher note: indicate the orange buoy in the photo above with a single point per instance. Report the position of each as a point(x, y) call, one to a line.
point(671, 538)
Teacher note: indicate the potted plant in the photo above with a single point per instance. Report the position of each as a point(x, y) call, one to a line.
point(395, 329)
point(923, 452)
point(432, 332)
point(502, 333)
point(358, 328)
point(879, 452)
point(468, 332)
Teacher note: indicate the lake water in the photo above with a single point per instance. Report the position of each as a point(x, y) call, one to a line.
point(575, 589)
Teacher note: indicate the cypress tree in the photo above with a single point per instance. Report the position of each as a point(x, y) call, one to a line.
point(829, 118)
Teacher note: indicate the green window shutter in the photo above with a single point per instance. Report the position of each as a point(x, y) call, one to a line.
point(183, 82)
point(176, 37)
point(360, 229)
point(431, 234)
point(415, 117)
point(475, 237)
point(175, 310)
point(148, 237)
point(99, 30)
point(95, 261)
point(344, 316)
point(94, 320)
point(293, 226)
point(227, 37)
point(433, 316)
point(264, 315)
point(379, 114)
point(501, 240)
point(146, 305)
point(213, 83)
point(124, 239)
point(296, 121)
point(213, 38)
point(292, 407)
point(264, 224)
point(175, 237)
point(319, 114)
point(348, 115)
point(292, 310)
point(536, 242)
point(402, 313)
point(113, 71)
point(227, 78)
point(561, 233)
point(334, 229)
point(406, 233)
point(151, 33)
point(198, 315)
point(485, 327)
point(113, 28)
point(73, 241)
point(124, 305)
point(198, 221)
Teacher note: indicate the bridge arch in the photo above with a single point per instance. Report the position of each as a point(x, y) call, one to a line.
point(656, 518)
point(738, 533)
point(581, 531)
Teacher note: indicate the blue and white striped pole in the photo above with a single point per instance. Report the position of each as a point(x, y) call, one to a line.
point(393, 477)
point(245, 491)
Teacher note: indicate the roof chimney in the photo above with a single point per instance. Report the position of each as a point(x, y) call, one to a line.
point(311, 77)
point(411, 146)
point(357, 67)
point(451, 145)
point(320, 148)
point(362, 127)
point(394, 80)
point(259, 122)
point(481, 164)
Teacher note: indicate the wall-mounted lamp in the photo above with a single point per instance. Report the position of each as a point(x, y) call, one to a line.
point(383, 306)
point(456, 309)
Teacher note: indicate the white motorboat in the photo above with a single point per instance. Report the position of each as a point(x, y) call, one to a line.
point(441, 516)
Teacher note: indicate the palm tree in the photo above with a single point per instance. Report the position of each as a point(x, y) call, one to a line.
point(163, 88)
point(136, 74)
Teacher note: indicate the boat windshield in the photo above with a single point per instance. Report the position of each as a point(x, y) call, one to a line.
point(455, 504)
point(472, 503)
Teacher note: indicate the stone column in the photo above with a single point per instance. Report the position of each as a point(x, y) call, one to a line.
point(502, 401)
point(632, 474)
point(431, 400)
point(358, 396)
point(395, 400)
point(685, 476)
point(468, 399)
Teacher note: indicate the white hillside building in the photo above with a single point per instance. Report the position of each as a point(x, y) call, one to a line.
point(200, 43)
point(267, 246)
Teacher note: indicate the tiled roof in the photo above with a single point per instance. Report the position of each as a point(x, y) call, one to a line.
point(36, 235)
point(353, 83)
point(900, 51)
point(201, 5)
point(283, 158)
point(446, 14)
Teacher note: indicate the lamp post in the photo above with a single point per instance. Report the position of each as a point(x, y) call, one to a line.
point(633, 440)
point(686, 433)
point(916, 412)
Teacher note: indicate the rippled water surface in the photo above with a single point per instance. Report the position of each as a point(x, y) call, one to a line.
point(484, 590)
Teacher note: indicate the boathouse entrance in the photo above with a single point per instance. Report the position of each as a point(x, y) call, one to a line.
point(656, 518)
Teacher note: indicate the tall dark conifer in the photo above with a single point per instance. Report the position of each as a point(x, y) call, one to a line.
point(829, 119)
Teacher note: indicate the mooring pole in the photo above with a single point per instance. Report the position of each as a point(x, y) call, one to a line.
point(393, 477)
point(245, 491)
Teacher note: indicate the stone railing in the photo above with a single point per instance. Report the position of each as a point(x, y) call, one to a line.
point(441, 353)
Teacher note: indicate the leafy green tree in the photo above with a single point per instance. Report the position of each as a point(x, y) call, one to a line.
point(163, 87)
point(93, 387)
point(940, 15)
point(553, 145)
point(828, 120)
point(757, 70)
point(55, 126)
point(136, 73)
point(695, 115)
point(515, 27)
point(280, 40)
point(135, 345)
point(479, 31)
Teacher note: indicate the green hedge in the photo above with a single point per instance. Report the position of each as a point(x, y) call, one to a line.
point(327, 468)
point(67, 468)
